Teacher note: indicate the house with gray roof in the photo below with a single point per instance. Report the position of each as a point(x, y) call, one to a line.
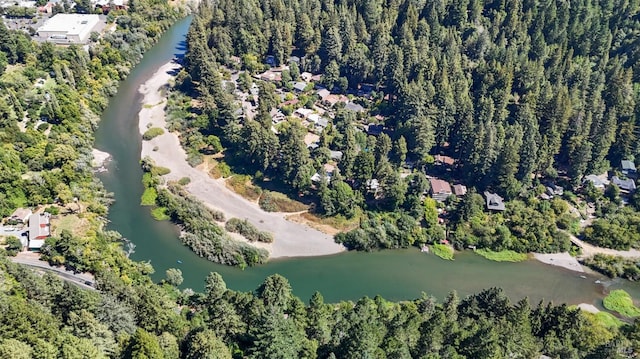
point(494, 202)
point(628, 168)
point(596, 181)
point(626, 185)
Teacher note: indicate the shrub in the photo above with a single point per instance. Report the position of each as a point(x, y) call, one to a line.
point(502, 256)
point(248, 230)
point(442, 251)
point(278, 202)
point(202, 234)
point(160, 171)
point(149, 196)
point(152, 133)
point(184, 181)
point(159, 214)
point(620, 301)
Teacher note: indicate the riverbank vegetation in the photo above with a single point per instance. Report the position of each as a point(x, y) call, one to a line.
point(128, 317)
point(248, 230)
point(615, 266)
point(502, 256)
point(202, 234)
point(621, 302)
point(442, 250)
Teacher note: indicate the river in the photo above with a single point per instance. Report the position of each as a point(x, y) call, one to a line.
point(396, 275)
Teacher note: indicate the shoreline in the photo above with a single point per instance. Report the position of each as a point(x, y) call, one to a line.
point(290, 239)
point(564, 260)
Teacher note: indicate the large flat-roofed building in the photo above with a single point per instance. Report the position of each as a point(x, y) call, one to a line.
point(68, 28)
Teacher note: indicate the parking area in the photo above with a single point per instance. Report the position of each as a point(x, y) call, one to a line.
point(6, 231)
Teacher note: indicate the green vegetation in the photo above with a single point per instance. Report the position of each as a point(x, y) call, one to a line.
point(149, 197)
point(470, 97)
point(621, 302)
point(202, 234)
point(502, 256)
point(160, 214)
point(152, 133)
point(184, 181)
point(248, 230)
point(131, 317)
point(608, 320)
point(612, 266)
point(242, 185)
point(277, 202)
point(443, 251)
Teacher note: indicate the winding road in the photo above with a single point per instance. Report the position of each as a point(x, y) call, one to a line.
point(83, 280)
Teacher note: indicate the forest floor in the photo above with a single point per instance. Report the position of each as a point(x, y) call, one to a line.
point(291, 239)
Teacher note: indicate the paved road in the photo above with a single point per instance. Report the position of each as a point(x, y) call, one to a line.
point(83, 280)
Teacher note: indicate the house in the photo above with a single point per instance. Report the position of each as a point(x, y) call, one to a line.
point(314, 117)
point(322, 123)
point(373, 185)
point(270, 60)
point(332, 100)
point(316, 78)
point(39, 230)
point(444, 160)
point(351, 106)
point(459, 190)
point(626, 185)
point(596, 181)
point(306, 76)
point(494, 202)
point(323, 93)
point(295, 59)
point(440, 190)
point(276, 116)
point(299, 86)
point(20, 215)
point(628, 168)
point(336, 155)
point(270, 76)
point(303, 112)
point(374, 130)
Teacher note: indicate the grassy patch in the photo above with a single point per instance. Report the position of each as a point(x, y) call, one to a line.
point(278, 202)
point(152, 133)
point(220, 170)
point(149, 196)
point(442, 251)
point(77, 225)
point(241, 184)
point(339, 222)
point(620, 301)
point(160, 171)
point(160, 214)
point(502, 256)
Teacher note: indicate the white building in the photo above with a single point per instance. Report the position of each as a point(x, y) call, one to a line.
point(68, 28)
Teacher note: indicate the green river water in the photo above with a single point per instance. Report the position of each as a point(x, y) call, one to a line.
point(396, 275)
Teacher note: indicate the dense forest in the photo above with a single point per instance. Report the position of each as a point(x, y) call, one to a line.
point(46, 135)
point(130, 317)
point(513, 88)
point(517, 93)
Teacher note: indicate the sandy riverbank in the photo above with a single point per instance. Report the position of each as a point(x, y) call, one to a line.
point(564, 260)
point(291, 239)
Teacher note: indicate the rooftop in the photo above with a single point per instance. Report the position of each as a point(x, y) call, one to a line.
point(440, 186)
point(627, 165)
point(72, 24)
point(494, 201)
